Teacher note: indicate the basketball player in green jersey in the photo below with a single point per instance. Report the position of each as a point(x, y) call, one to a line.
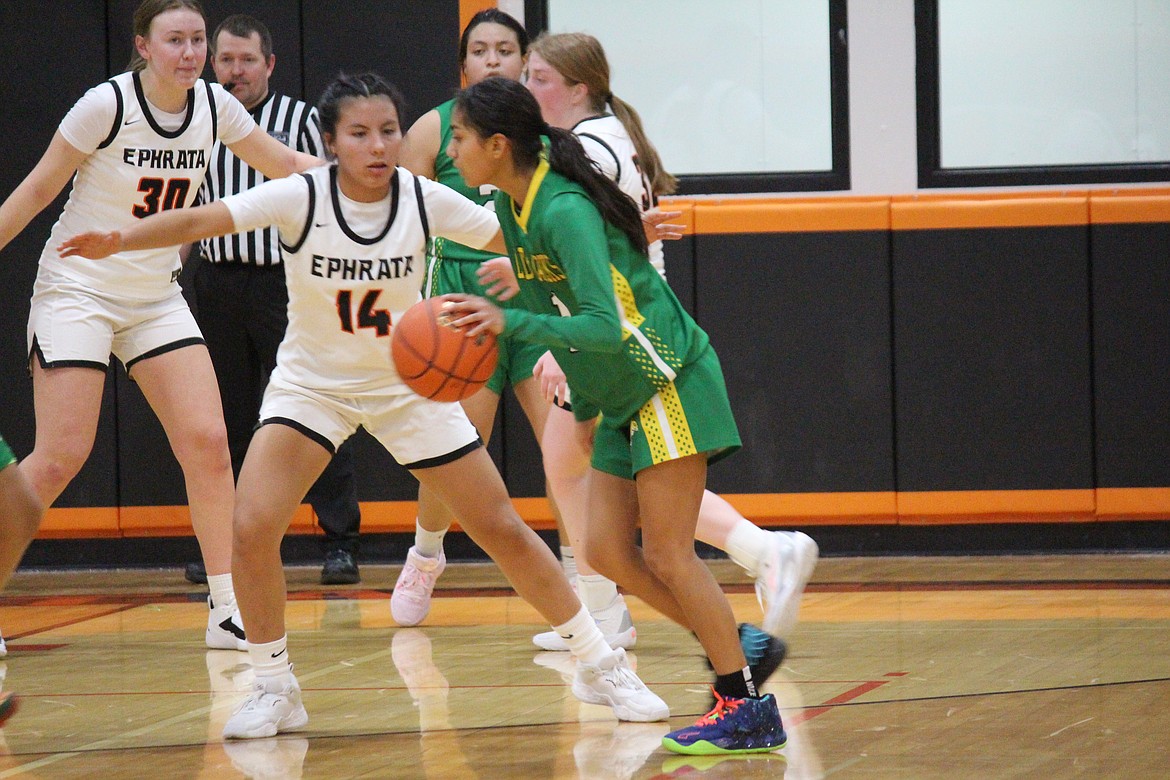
point(632, 356)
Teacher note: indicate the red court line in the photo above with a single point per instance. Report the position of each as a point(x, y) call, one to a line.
point(28, 648)
point(809, 713)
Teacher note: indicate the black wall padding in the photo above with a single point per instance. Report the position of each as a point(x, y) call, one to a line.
point(801, 323)
point(1131, 347)
point(992, 359)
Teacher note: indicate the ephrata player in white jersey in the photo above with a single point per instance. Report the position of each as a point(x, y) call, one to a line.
point(142, 160)
point(353, 268)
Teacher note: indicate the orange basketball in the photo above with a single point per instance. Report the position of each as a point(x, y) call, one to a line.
point(435, 359)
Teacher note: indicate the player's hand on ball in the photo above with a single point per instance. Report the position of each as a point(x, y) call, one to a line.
point(94, 245)
point(498, 277)
point(473, 314)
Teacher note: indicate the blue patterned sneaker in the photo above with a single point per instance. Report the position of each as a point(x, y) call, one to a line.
point(764, 652)
point(733, 726)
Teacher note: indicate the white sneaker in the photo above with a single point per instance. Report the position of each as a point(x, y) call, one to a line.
point(278, 759)
point(614, 683)
point(614, 622)
point(3, 648)
point(411, 600)
point(273, 706)
point(786, 569)
point(225, 630)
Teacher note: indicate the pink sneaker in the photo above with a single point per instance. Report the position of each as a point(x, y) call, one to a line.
point(411, 600)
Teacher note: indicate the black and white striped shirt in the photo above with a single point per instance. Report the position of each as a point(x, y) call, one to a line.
point(293, 123)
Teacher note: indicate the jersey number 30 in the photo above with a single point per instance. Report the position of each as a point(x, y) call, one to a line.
point(160, 195)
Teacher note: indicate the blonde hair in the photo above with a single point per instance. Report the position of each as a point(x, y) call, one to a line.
point(580, 59)
point(144, 16)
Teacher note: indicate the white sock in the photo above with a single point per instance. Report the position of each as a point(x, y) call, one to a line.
point(428, 544)
point(596, 591)
point(222, 592)
point(584, 638)
point(270, 659)
point(744, 545)
point(569, 563)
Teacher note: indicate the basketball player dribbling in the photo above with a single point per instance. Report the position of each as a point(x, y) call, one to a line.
point(638, 365)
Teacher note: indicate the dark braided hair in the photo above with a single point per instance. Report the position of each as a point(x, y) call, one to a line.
point(503, 106)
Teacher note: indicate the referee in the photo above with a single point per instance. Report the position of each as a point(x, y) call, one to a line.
point(240, 295)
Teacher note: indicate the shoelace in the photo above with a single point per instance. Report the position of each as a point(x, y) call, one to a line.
point(417, 575)
point(419, 579)
point(622, 677)
point(723, 707)
point(253, 702)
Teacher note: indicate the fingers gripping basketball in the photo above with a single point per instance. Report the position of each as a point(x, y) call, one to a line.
point(435, 359)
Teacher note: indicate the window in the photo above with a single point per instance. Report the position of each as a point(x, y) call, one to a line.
point(738, 95)
point(1017, 92)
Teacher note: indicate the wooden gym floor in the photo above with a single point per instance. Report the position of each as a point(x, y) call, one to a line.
point(1020, 667)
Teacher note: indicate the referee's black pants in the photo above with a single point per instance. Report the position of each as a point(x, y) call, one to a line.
point(243, 312)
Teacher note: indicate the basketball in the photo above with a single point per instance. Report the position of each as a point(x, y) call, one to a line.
point(435, 359)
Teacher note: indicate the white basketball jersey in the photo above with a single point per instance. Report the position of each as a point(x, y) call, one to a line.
point(609, 146)
point(351, 278)
point(140, 169)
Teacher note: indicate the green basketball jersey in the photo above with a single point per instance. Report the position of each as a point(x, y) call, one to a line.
point(447, 173)
point(615, 327)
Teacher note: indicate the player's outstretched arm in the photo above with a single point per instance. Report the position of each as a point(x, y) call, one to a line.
point(167, 228)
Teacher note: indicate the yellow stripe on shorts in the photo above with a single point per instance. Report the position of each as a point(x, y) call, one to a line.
point(664, 423)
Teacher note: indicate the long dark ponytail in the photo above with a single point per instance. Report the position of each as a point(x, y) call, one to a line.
point(503, 106)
